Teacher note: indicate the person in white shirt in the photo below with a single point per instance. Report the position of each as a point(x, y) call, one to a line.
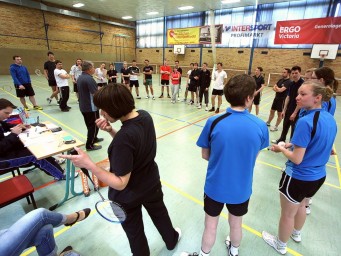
point(220, 79)
point(101, 76)
point(63, 84)
point(188, 81)
point(75, 72)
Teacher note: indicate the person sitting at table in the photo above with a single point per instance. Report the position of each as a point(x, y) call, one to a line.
point(13, 154)
point(36, 229)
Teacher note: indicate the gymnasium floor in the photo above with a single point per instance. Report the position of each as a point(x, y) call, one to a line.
point(183, 173)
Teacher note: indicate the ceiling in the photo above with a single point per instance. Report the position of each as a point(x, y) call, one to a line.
point(138, 9)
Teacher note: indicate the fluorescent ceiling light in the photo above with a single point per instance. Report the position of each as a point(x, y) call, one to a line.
point(126, 17)
point(78, 5)
point(230, 1)
point(152, 13)
point(183, 8)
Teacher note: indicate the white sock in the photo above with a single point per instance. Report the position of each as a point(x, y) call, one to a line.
point(202, 253)
point(296, 232)
point(234, 250)
point(280, 243)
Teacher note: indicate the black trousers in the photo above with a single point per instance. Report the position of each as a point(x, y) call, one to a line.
point(89, 119)
point(65, 94)
point(203, 92)
point(287, 123)
point(133, 225)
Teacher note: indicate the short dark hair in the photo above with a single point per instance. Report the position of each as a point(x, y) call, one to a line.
point(205, 63)
point(260, 69)
point(58, 61)
point(288, 70)
point(115, 99)
point(177, 61)
point(48, 53)
point(191, 63)
point(146, 60)
point(196, 64)
point(134, 61)
point(15, 56)
point(294, 68)
point(238, 88)
point(219, 63)
point(4, 103)
point(328, 76)
point(86, 65)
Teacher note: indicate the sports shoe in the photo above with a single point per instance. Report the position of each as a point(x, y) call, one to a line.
point(307, 210)
point(49, 100)
point(206, 108)
point(161, 96)
point(296, 237)
point(274, 129)
point(273, 242)
point(168, 96)
point(212, 109)
point(199, 107)
point(65, 110)
point(27, 109)
point(153, 97)
point(98, 140)
point(189, 254)
point(228, 246)
point(179, 99)
point(267, 124)
point(147, 97)
point(191, 102)
point(172, 102)
point(138, 97)
point(274, 141)
point(94, 147)
point(217, 111)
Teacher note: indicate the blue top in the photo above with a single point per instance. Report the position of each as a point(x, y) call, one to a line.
point(330, 106)
point(313, 165)
point(234, 145)
point(19, 74)
point(87, 87)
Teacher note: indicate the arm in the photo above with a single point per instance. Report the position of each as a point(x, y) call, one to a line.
point(205, 153)
point(10, 142)
point(64, 76)
point(295, 156)
point(14, 76)
point(225, 81)
point(261, 88)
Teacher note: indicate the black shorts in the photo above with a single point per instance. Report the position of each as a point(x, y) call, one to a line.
point(192, 87)
point(75, 89)
point(52, 82)
point(256, 99)
point(277, 104)
point(28, 91)
point(134, 83)
point(164, 82)
point(217, 92)
point(126, 81)
point(214, 208)
point(296, 190)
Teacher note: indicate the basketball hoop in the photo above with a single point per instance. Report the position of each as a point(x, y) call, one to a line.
point(322, 57)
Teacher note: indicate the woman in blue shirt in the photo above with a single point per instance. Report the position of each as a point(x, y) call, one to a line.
point(307, 153)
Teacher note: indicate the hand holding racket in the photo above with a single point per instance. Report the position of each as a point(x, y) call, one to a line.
point(109, 210)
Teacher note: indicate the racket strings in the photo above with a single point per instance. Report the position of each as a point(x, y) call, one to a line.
point(111, 211)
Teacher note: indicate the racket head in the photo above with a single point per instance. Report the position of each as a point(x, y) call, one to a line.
point(111, 211)
point(38, 72)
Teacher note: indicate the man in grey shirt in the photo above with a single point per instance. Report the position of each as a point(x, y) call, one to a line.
point(87, 86)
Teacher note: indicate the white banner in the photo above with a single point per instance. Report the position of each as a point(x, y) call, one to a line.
point(260, 30)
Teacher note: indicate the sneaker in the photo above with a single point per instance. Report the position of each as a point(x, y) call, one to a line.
point(217, 111)
point(191, 102)
point(273, 242)
point(49, 100)
point(138, 97)
point(153, 97)
point(307, 211)
point(199, 107)
point(27, 109)
point(147, 97)
point(168, 96)
point(189, 254)
point(267, 124)
point(94, 147)
point(179, 99)
point(206, 108)
point(68, 107)
point(172, 102)
point(275, 141)
point(283, 168)
point(184, 100)
point(65, 110)
point(274, 129)
point(212, 109)
point(98, 140)
point(228, 246)
point(178, 230)
point(296, 237)
point(161, 96)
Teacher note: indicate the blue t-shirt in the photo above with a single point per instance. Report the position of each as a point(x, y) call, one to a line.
point(234, 145)
point(330, 106)
point(313, 165)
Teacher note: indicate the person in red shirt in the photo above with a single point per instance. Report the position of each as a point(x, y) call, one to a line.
point(165, 71)
point(175, 78)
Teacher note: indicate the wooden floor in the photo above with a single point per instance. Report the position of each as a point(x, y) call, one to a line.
point(183, 173)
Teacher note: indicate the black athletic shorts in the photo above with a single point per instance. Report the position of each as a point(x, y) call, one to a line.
point(217, 92)
point(278, 104)
point(192, 87)
point(134, 83)
point(214, 208)
point(164, 82)
point(28, 91)
point(296, 190)
point(256, 99)
point(52, 82)
point(75, 89)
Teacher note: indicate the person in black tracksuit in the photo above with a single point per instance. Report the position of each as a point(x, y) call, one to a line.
point(204, 84)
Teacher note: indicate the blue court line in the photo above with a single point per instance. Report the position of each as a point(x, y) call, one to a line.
point(201, 126)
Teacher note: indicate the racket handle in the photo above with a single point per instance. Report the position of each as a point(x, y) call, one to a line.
point(85, 185)
point(96, 184)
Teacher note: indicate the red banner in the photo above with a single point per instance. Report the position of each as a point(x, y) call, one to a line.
point(309, 31)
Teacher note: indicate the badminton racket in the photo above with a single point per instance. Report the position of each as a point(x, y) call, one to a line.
point(108, 210)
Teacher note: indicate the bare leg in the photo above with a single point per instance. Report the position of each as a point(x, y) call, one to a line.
point(33, 100)
point(271, 116)
point(23, 102)
point(151, 90)
point(213, 100)
point(220, 100)
point(210, 231)
point(235, 229)
point(147, 91)
point(257, 110)
point(137, 91)
point(55, 92)
point(279, 118)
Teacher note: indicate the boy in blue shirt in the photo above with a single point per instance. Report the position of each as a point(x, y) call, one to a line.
point(230, 142)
